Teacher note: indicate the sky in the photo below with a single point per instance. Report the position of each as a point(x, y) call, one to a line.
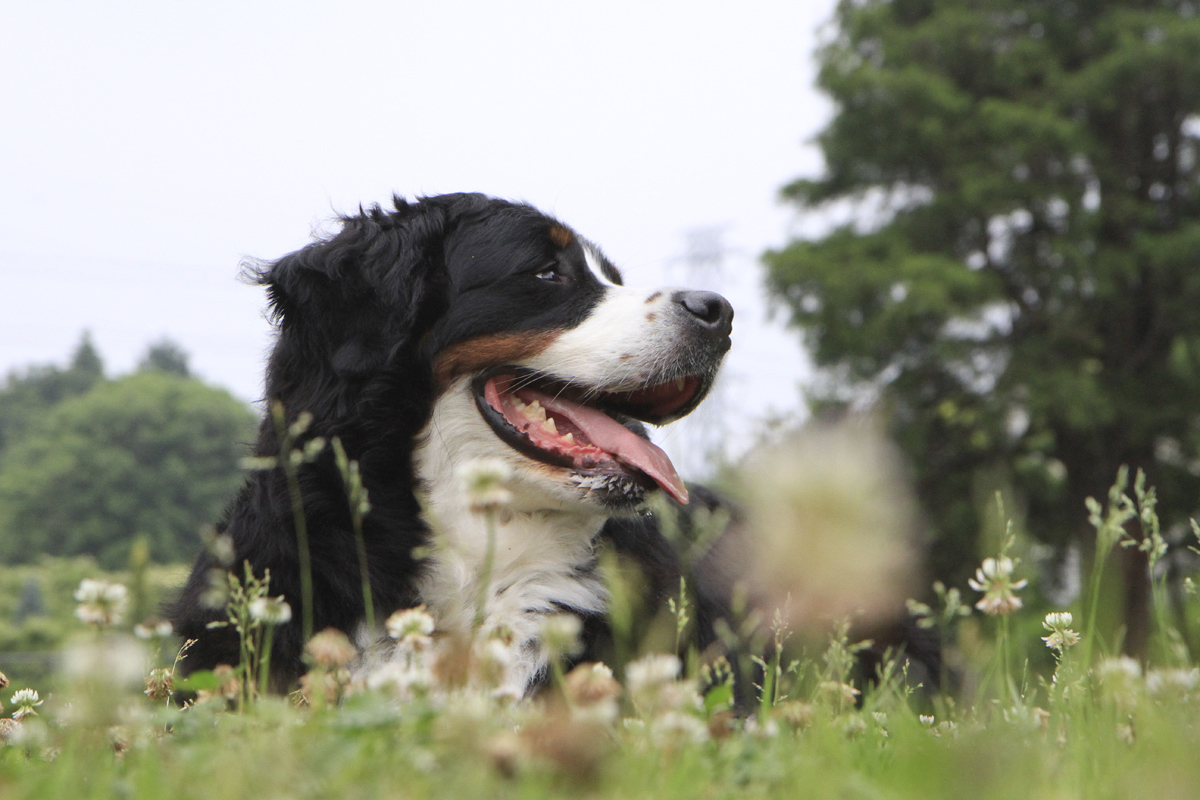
point(147, 148)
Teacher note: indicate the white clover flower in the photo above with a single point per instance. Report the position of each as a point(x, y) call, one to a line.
point(159, 684)
point(674, 728)
point(654, 686)
point(153, 629)
point(946, 728)
point(853, 725)
point(270, 610)
point(498, 663)
point(651, 671)
point(25, 700)
point(116, 660)
point(593, 693)
point(10, 731)
point(843, 692)
point(763, 730)
point(1120, 669)
point(412, 627)
point(1061, 636)
point(926, 721)
point(330, 649)
point(405, 680)
point(830, 524)
point(559, 634)
point(1172, 681)
point(483, 482)
point(591, 683)
point(1031, 717)
point(994, 579)
point(101, 604)
point(1058, 619)
point(1121, 679)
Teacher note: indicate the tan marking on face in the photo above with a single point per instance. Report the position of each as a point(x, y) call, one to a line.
point(561, 235)
point(473, 355)
point(653, 297)
point(651, 316)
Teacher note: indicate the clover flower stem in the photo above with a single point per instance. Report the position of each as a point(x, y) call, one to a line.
point(767, 701)
point(1006, 662)
point(485, 573)
point(301, 524)
point(560, 681)
point(356, 495)
point(363, 570)
point(306, 591)
point(1110, 528)
point(264, 666)
point(1093, 601)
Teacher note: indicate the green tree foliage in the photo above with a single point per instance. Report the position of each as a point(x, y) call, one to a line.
point(1024, 303)
point(165, 356)
point(25, 395)
point(152, 454)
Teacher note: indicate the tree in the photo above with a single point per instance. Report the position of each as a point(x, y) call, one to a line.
point(1024, 305)
point(86, 366)
point(165, 356)
point(151, 454)
point(24, 396)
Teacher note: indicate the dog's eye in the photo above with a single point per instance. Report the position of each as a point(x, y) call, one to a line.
point(548, 273)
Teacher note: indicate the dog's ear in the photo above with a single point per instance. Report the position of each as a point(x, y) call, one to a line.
point(371, 289)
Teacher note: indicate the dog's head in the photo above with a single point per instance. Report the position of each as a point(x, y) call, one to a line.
point(517, 334)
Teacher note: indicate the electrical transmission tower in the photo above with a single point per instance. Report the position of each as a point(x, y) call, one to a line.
point(704, 439)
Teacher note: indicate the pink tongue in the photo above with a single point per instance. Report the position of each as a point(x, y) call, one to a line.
point(614, 438)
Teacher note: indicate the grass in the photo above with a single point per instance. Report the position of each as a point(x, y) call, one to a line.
point(1087, 725)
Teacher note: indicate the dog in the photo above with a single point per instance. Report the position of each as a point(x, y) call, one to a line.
point(424, 337)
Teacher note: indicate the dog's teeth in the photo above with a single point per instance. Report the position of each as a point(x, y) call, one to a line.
point(518, 403)
point(570, 438)
point(535, 411)
point(549, 425)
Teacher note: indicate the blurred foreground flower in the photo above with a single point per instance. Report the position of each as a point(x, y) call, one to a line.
point(654, 687)
point(592, 692)
point(331, 649)
point(994, 579)
point(412, 627)
point(405, 680)
point(159, 684)
point(560, 635)
point(10, 731)
point(483, 480)
point(833, 521)
point(1120, 680)
point(1169, 682)
point(116, 661)
point(674, 729)
point(101, 604)
point(153, 628)
point(270, 610)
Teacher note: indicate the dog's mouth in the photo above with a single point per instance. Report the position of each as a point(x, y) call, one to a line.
point(585, 430)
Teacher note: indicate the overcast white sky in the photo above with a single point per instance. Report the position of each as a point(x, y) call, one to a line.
point(147, 147)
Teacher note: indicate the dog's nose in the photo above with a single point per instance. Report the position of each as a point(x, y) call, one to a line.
point(710, 309)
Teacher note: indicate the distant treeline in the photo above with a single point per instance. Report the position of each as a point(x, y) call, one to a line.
point(90, 464)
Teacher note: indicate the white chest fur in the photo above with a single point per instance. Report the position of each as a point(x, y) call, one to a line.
point(543, 542)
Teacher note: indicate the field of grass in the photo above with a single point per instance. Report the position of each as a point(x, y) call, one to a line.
point(1077, 721)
